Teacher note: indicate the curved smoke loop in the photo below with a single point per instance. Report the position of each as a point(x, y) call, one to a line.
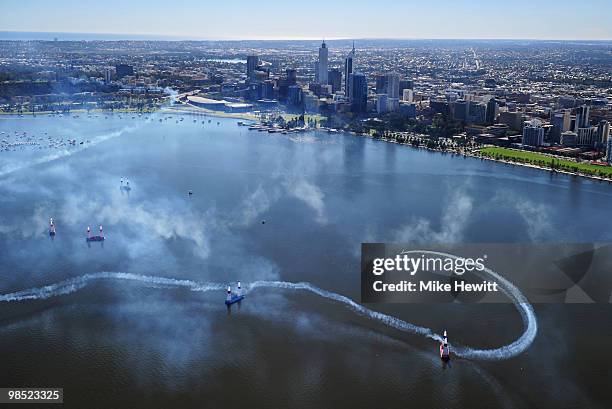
point(505, 352)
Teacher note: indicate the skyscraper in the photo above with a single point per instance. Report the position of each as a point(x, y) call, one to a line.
point(107, 76)
point(582, 117)
point(609, 153)
point(381, 83)
point(349, 63)
point(491, 111)
point(393, 80)
point(252, 64)
point(291, 76)
point(322, 67)
point(461, 109)
point(533, 134)
point(358, 92)
point(335, 79)
point(587, 136)
point(603, 132)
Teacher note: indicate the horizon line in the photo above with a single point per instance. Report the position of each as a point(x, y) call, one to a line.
point(181, 37)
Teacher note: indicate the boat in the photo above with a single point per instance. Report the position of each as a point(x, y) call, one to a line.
point(233, 298)
point(444, 348)
point(51, 227)
point(95, 238)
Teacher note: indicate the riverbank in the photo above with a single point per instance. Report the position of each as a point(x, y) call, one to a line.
point(82, 111)
point(477, 154)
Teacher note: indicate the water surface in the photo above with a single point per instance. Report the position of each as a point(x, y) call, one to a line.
point(125, 343)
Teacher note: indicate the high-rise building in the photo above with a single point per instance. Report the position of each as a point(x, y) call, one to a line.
point(557, 122)
point(381, 83)
point(609, 151)
point(561, 122)
point(382, 102)
point(323, 54)
point(291, 76)
point(294, 95)
point(349, 66)
point(252, 64)
point(582, 117)
point(603, 132)
point(567, 120)
point(533, 134)
point(334, 78)
point(107, 76)
point(587, 136)
point(461, 110)
point(393, 80)
point(491, 111)
point(477, 112)
point(358, 88)
point(514, 120)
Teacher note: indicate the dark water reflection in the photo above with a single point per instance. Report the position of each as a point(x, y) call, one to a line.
point(126, 344)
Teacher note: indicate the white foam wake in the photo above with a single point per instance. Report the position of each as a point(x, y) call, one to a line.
point(505, 352)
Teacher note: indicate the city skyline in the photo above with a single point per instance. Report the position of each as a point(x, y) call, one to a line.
point(239, 20)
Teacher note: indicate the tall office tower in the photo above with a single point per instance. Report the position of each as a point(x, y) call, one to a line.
point(294, 95)
point(567, 120)
point(477, 112)
point(514, 120)
point(291, 76)
point(461, 110)
point(334, 78)
point(582, 117)
point(558, 123)
point(323, 53)
point(358, 92)
point(393, 80)
point(603, 132)
point(349, 66)
point(491, 111)
point(381, 83)
point(609, 153)
point(382, 103)
point(587, 136)
point(252, 64)
point(107, 76)
point(533, 134)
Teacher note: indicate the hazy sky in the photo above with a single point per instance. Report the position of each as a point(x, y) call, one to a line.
point(287, 19)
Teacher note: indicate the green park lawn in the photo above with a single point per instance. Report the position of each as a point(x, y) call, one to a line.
point(540, 159)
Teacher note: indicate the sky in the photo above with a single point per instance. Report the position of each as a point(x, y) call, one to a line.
point(315, 19)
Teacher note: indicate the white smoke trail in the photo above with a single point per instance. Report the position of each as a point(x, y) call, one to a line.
point(5, 170)
point(74, 284)
point(505, 352)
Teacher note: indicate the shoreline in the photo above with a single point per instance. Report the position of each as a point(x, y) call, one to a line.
point(189, 110)
point(471, 154)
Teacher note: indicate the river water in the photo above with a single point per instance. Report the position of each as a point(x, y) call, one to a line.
point(121, 332)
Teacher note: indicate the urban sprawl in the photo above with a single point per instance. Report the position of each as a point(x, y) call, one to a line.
point(536, 103)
